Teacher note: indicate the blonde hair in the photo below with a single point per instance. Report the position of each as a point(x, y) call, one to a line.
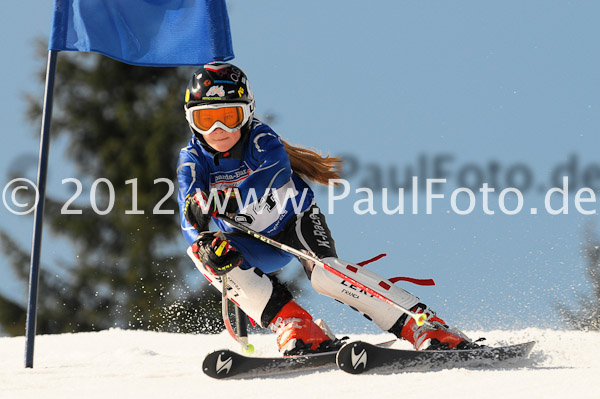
point(312, 165)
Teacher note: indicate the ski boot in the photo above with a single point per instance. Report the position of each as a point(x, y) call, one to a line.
point(298, 334)
point(436, 335)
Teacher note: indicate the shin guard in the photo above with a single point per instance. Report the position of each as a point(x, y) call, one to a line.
point(261, 297)
point(383, 314)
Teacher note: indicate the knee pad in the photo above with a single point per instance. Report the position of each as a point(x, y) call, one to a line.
point(383, 314)
point(260, 296)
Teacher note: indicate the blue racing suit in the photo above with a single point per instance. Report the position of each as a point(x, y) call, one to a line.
point(271, 194)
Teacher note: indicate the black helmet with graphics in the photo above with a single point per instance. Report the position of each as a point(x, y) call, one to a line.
point(218, 96)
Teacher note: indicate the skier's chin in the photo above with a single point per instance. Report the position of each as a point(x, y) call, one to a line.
point(222, 146)
point(222, 140)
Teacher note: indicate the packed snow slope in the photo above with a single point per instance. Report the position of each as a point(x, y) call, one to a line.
point(139, 364)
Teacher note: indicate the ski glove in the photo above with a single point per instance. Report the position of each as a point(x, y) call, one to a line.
point(201, 206)
point(216, 254)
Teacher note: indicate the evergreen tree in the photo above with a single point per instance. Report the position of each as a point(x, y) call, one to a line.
point(587, 317)
point(122, 122)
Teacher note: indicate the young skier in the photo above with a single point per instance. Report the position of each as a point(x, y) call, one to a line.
point(236, 161)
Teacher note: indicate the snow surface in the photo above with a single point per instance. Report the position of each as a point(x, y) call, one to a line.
point(141, 364)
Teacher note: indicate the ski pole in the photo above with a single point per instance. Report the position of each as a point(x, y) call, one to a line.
point(420, 318)
point(241, 324)
point(246, 347)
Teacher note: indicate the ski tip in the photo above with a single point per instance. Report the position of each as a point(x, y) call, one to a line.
point(353, 357)
point(218, 364)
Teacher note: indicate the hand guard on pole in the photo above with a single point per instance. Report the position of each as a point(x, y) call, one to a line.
point(201, 206)
point(216, 253)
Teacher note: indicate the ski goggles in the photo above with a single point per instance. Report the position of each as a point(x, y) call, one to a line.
point(206, 118)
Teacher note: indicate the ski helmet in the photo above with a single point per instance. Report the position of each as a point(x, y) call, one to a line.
point(218, 96)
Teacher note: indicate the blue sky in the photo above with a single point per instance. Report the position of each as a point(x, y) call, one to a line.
point(512, 84)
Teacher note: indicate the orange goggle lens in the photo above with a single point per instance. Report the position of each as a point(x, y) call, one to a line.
point(231, 117)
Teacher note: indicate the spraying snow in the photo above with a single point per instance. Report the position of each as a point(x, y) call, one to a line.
point(145, 364)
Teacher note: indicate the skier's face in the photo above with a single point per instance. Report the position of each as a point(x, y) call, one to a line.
point(221, 140)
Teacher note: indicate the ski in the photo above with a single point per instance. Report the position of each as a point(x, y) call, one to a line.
point(361, 357)
point(226, 363)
